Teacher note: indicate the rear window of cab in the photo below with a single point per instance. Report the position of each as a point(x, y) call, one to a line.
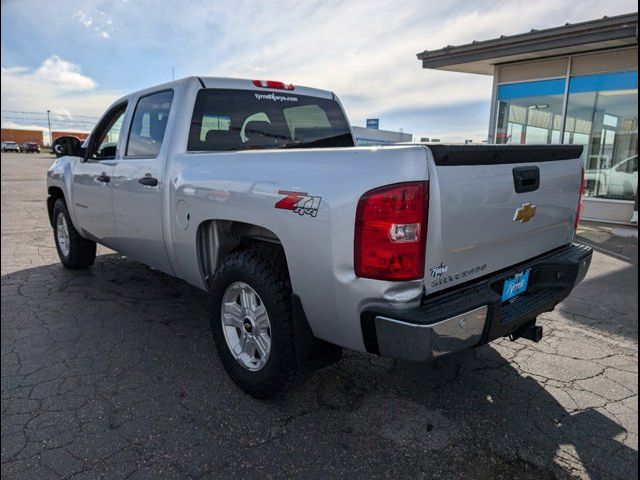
point(227, 120)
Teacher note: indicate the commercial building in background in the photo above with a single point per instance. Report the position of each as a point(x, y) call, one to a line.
point(24, 135)
point(576, 84)
point(21, 136)
point(373, 136)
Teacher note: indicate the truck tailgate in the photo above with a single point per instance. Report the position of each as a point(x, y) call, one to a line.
point(492, 207)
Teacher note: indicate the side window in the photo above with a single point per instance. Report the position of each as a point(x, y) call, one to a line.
point(149, 125)
point(107, 135)
point(628, 166)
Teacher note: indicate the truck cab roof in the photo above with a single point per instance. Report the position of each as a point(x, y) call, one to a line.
point(229, 84)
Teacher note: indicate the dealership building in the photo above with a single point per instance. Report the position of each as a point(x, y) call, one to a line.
point(574, 84)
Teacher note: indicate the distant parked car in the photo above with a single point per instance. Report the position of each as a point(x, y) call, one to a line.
point(30, 147)
point(10, 147)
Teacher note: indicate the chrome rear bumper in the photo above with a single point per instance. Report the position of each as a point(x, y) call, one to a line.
point(474, 313)
point(421, 343)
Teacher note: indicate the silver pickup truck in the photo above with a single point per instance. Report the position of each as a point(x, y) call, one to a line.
point(255, 192)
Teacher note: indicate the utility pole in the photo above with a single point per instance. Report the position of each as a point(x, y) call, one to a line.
point(173, 73)
point(49, 123)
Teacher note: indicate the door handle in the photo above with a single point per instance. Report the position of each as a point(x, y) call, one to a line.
point(104, 178)
point(148, 181)
point(526, 179)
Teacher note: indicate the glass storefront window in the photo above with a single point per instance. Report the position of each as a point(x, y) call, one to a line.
point(530, 112)
point(602, 115)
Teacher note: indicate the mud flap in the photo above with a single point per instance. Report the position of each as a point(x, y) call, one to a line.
point(311, 352)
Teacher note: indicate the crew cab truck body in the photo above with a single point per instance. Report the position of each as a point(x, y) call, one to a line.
point(255, 192)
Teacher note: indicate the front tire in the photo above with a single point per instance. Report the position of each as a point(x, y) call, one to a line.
point(75, 251)
point(252, 320)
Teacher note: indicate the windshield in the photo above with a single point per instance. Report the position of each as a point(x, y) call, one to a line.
point(226, 120)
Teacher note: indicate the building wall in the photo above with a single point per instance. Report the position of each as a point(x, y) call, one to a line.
point(22, 136)
point(597, 62)
point(610, 61)
point(518, 72)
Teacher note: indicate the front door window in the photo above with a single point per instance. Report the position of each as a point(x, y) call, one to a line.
point(107, 135)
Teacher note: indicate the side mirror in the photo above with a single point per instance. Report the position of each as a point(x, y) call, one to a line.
point(71, 146)
point(108, 151)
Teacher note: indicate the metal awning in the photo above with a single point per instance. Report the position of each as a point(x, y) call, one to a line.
point(481, 56)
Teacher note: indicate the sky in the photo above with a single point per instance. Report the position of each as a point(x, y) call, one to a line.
point(75, 58)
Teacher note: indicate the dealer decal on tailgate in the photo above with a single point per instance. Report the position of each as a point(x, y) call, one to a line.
point(299, 202)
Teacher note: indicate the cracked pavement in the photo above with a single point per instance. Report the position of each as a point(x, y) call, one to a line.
point(112, 373)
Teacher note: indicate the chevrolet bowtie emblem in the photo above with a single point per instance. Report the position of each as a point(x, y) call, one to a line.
point(525, 213)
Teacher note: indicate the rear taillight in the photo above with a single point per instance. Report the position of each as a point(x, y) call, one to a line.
point(580, 200)
point(273, 84)
point(391, 231)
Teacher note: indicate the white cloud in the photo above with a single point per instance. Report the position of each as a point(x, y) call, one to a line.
point(83, 18)
point(22, 126)
point(64, 75)
point(56, 85)
point(98, 21)
point(14, 70)
point(61, 113)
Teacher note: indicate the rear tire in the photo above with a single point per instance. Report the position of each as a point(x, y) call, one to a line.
point(259, 273)
point(75, 251)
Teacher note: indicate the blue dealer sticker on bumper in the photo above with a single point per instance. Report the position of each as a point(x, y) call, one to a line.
point(516, 285)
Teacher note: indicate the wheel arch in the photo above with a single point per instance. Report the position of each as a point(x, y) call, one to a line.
point(218, 238)
point(54, 194)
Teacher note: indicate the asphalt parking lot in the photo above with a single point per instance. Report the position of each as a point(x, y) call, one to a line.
point(112, 373)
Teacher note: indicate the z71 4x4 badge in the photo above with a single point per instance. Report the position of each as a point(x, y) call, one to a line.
point(300, 202)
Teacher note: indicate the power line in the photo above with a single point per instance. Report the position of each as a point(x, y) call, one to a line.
point(43, 114)
point(17, 115)
point(33, 119)
point(44, 120)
